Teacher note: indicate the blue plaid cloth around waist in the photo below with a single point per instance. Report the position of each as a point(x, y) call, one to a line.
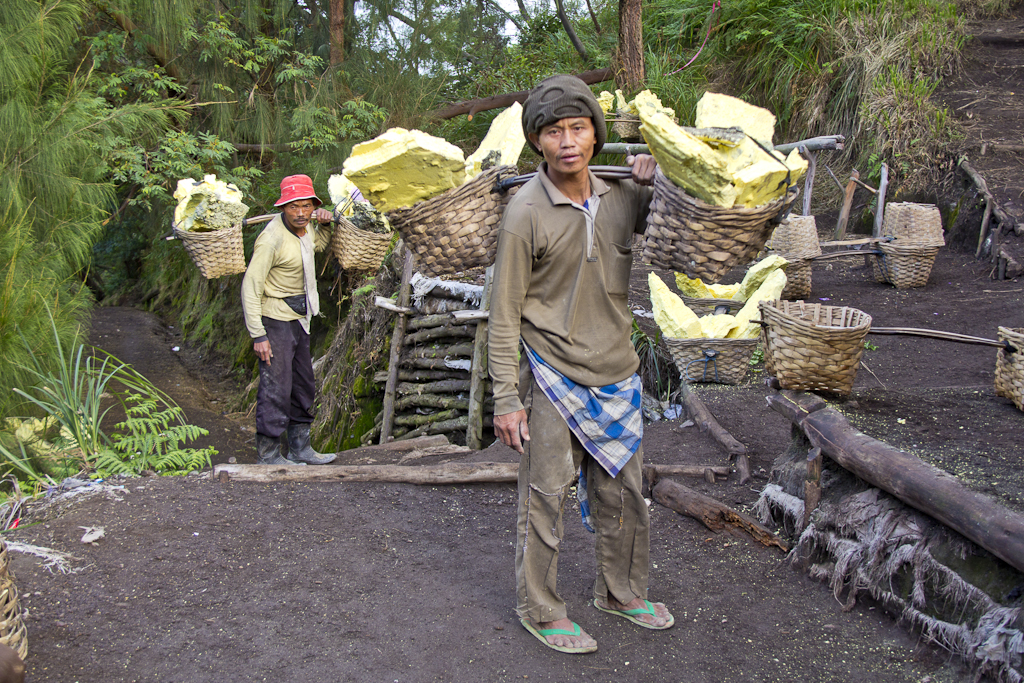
point(607, 420)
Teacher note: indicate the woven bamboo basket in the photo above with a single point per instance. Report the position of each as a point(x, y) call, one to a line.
point(457, 230)
point(796, 239)
point(723, 361)
point(705, 306)
point(904, 265)
point(810, 347)
point(216, 253)
point(12, 627)
point(919, 224)
point(1010, 366)
point(359, 250)
point(685, 234)
point(627, 126)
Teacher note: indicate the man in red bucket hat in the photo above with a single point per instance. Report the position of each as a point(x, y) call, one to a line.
point(279, 299)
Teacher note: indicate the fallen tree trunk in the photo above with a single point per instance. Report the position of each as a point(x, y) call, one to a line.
point(918, 484)
point(655, 472)
point(706, 422)
point(714, 515)
point(428, 475)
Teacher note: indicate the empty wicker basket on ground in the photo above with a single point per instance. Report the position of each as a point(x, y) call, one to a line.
point(796, 239)
point(687, 235)
point(12, 627)
point(359, 250)
point(1010, 366)
point(724, 361)
point(907, 261)
point(216, 253)
point(810, 347)
point(457, 230)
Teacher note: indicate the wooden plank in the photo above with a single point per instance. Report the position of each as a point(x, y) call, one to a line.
point(844, 213)
point(425, 475)
point(478, 373)
point(404, 294)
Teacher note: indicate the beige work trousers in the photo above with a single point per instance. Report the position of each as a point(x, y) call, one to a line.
point(546, 471)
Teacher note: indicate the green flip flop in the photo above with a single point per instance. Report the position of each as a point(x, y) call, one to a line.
point(541, 634)
point(633, 615)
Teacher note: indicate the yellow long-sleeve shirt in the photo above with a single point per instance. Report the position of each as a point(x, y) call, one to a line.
point(275, 272)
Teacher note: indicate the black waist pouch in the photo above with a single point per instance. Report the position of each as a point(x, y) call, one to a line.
point(297, 303)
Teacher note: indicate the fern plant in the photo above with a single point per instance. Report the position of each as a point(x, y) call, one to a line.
point(154, 439)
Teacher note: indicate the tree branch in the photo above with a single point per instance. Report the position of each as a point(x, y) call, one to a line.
point(567, 25)
point(471, 107)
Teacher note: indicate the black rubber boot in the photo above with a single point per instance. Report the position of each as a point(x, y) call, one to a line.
point(268, 452)
point(299, 448)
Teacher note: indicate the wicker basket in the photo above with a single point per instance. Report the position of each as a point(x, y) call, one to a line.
point(796, 239)
point(705, 306)
point(919, 224)
point(904, 265)
point(457, 230)
point(627, 126)
point(724, 361)
point(12, 627)
point(810, 347)
point(685, 234)
point(359, 250)
point(1010, 366)
point(217, 253)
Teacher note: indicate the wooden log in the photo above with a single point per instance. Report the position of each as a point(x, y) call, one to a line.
point(434, 441)
point(883, 184)
point(706, 422)
point(467, 316)
point(655, 472)
point(457, 424)
point(404, 293)
point(983, 231)
point(389, 305)
point(1001, 216)
point(450, 290)
point(431, 401)
point(434, 305)
point(419, 375)
point(438, 364)
point(441, 332)
point(446, 386)
point(812, 485)
point(418, 420)
point(425, 321)
point(711, 513)
point(812, 166)
point(844, 213)
point(464, 350)
point(915, 482)
point(424, 475)
point(478, 373)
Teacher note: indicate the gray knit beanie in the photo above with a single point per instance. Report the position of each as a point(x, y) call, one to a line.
point(562, 97)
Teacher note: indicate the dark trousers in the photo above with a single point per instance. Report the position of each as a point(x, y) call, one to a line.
point(286, 383)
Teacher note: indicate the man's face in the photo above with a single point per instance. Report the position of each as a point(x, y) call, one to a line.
point(298, 213)
point(567, 144)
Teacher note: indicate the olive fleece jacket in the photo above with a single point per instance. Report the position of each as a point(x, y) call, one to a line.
point(567, 302)
point(275, 271)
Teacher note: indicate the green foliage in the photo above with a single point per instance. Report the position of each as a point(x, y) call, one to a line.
point(655, 365)
point(868, 346)
point(149, 439)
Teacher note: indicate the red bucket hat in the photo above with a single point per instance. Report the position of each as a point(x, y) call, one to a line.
point(296, 187)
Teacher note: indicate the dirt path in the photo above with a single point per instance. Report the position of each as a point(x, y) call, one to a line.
point(202, 581)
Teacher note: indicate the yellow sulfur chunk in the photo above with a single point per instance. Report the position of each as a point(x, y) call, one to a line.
point(401, 167)
point(673, 317)
point(797, 166)
point(757, 274)
point(341, 188)
point(648, 100)
point(724, 111)
point(208, 205)
point(724, 291)
point(769, 290)
point(693, 287)
point(622, 105)
point(760, 183)
point(505, 135)
point(686, 160)
point(606, 100)
point(716, 326)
